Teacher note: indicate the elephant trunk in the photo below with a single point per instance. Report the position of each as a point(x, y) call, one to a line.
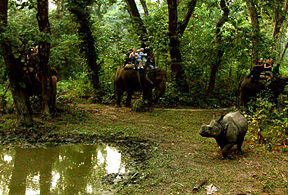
point(148, 79)
point(159, 92)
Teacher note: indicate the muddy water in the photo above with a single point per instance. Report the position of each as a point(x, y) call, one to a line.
point(76, 169)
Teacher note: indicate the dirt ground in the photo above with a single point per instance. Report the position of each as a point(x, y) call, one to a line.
point(177, 158)
point(182, 158)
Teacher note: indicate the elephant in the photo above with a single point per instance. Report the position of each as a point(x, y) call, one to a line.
point(131, 80)
point(249, 88)
point(33, 85)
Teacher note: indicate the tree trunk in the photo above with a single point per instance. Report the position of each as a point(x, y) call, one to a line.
point(143, 3)
point(219, 46)
point(279, 18)
point(176, 64)
point(82, 15)
point(255, 29)
point(182, 25)
point(139, 26)
point(13, 65)
point(283, 53)
point(137, 22)
point(48, 99)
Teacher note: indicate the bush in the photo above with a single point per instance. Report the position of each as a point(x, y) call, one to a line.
point(75, 88)
point(269, 124)
point(140, 106)
point(6, 99)
point(197, 96)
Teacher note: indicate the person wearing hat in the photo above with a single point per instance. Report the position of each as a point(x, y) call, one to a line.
point(267, 68)
point(257, 69)
point(139, 57)
point(132, 57)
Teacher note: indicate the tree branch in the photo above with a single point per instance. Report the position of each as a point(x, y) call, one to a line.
point(137, 21)
point(220, 49)
point(143, 3)
point(224, 18)
point(182, 25)
point(255, 29)
point(279, 19)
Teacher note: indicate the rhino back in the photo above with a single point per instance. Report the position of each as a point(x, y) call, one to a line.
point(239, 121)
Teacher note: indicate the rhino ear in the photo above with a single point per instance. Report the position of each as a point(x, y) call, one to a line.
point(221, 118)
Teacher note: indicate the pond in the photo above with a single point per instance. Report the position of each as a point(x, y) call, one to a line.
point(70, 169)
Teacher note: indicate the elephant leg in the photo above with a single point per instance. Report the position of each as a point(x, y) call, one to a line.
point(147, 95)
point(128, 99)
point(119, 94)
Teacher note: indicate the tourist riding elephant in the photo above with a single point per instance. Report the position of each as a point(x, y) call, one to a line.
point(33, 85)
point(249, 88)
point(131, 80)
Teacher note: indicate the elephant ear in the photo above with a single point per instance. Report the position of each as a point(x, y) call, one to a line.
point(159, 74)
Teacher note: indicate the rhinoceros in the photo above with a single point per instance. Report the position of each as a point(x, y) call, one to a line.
point(228, 130)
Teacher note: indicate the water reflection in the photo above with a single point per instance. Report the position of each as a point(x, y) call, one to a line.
point(76, 169)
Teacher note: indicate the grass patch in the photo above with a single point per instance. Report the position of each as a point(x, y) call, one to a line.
point(172, 155)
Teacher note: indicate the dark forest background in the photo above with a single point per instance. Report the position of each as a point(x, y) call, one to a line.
point(206, 47)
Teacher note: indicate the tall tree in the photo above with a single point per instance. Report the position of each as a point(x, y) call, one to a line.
point(251, 4)
point(283, 52)
point(101, 7)
point(143, 3)
point(82, 14)
point(137, 22)
point(280, 12)
point(13, 65)
point(176, 30)
point(219, 45)
point(48, 96)
point(279, 16)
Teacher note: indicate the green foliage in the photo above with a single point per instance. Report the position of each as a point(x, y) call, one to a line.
point(197, 97)
point(140, 106)
point(6, 100)
point(3, 71)
point(114, 35)
point(269, 121)
point(23, 30)
point(75, 88)
point(65, 54)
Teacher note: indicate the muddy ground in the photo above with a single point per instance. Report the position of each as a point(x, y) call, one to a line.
point(165, 143)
